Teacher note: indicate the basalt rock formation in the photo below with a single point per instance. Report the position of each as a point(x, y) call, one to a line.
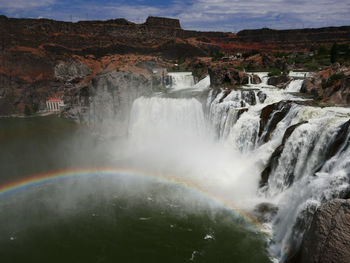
point(328, 238)
point(41, 58)
point(329, 85)
point(106, 101)
point(221, 75)
point(270, 39)
point(279, 81)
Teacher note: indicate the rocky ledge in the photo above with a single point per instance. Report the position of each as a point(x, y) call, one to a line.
point(279, 81)
point(221, 75)
point(330, 85)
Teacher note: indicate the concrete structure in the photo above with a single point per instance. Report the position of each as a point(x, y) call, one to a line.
point(54, 104)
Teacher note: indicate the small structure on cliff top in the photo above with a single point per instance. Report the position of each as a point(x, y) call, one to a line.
point(54, 104)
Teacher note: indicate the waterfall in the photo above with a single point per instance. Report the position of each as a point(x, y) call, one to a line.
point(203, 84)
point(295, 85)
point(301, 152)
point(251, 145)
point(172, 136)
point(154, 117)
point(181, 80)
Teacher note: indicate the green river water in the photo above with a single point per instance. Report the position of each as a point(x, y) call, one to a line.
point(105, 218)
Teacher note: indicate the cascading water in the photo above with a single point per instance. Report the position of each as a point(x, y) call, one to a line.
point(294, 85)
point(253, 145)
point(181, 80)
point(295, 147)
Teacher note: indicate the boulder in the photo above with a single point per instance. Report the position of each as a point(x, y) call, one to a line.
point(310, 87)
point(255, 79)
point(331, 85)
point(328, 238)
point(279, 81)
point(220, 75)
point(248, 96)
point(261, 96)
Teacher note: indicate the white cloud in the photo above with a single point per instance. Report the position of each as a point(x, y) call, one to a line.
point(272, 13)
point(217, 15)
point(24, 4)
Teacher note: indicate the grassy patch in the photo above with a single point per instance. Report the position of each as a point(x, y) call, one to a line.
point(274, 72)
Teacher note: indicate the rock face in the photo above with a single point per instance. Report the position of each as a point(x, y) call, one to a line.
point(329, 85)
point(279, 81)
point(227, 76)
point(328, 238)
point(40, 58)
point(162, 21)
point(71, 71)
point(55, 57)
point(301, 38)
point(107, 100)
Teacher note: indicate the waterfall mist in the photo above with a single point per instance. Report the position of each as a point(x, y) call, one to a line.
point(268, 152)
point(173, 136)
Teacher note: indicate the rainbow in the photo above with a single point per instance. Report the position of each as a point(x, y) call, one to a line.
point(50, 177)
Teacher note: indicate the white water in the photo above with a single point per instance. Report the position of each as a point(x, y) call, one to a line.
point(292, 186)
point(222, 152)
point(203, 84)
point(295, 85)
point(297, 74)
point(172, 136)
point(181, 80)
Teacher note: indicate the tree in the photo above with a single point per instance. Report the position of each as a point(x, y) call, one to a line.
point(334, 53)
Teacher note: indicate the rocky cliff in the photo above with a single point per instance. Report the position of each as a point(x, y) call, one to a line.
point(41, 58)
point(269, 39)
point(329, 85)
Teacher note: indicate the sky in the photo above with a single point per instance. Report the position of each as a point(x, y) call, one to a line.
point(204, 15)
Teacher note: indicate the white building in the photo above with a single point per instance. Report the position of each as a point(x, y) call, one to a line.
point(54, 104)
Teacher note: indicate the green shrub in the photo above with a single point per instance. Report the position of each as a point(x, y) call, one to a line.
point(274, 72)
point(240, 68)
point(217, 55)
point(331, 80)
point(334, 53)
point(312, 66)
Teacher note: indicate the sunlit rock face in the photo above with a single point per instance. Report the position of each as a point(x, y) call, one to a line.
point(71, 71)
point(331, 85)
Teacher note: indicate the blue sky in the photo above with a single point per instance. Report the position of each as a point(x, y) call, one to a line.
point(206, 15)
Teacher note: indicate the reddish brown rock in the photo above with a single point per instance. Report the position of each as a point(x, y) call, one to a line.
point(279, 81)
point(255, 79)
point(220, 75)
point(330, 85)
